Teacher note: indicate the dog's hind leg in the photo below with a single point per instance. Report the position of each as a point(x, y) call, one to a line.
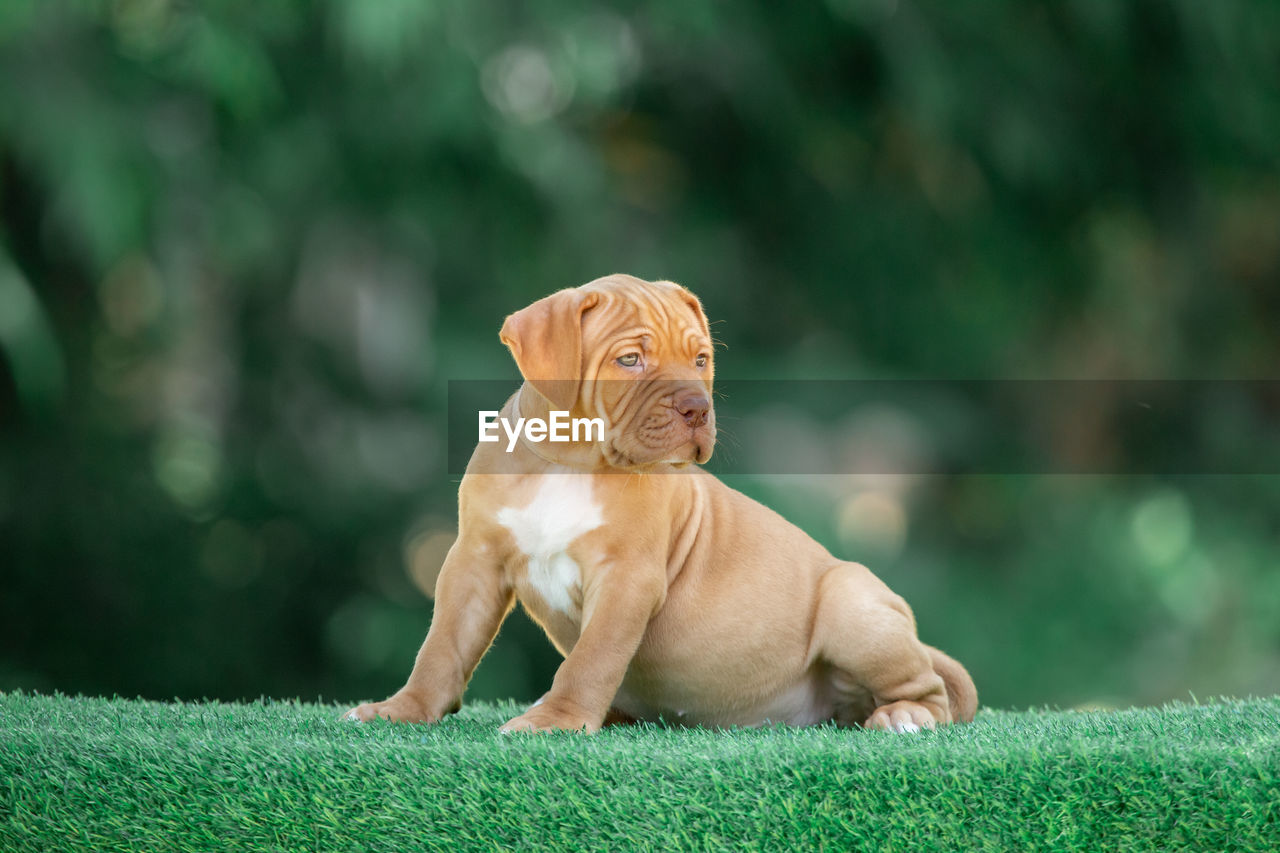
point(866, 635)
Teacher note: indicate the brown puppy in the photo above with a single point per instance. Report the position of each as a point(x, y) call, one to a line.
point(669, 593)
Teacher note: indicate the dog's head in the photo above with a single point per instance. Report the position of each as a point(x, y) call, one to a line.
point(637, 354)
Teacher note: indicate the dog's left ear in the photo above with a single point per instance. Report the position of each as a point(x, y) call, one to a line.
point(693, 302)
point(546, 341)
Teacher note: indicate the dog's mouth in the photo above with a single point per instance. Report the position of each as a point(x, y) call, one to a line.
point(680, 445)
point(703, 442)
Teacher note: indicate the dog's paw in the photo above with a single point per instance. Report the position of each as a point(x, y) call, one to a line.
point(548, 716)
point(903, 717)
point(400, 708)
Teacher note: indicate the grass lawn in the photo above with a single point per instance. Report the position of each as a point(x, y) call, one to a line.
point(96, 774)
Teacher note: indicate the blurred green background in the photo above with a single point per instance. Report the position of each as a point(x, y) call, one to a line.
point(244, 246)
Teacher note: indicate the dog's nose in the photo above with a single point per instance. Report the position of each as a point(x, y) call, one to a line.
point(693, 406)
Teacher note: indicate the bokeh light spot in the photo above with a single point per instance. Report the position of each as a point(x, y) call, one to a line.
point(424, 555)
point(872, 521)
point(1162, 527)
point(521, 83)
point(186, 465)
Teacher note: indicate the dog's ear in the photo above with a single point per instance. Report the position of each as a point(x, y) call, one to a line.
point(693, 302)
point(546, 341)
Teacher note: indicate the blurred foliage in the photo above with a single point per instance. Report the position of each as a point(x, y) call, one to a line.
point(244, 246)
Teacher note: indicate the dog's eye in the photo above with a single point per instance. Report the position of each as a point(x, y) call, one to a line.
point(631, 359)
point(700, 361)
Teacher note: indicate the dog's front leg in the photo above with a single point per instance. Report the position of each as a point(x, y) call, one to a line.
point(617, 607)
point(472, 599)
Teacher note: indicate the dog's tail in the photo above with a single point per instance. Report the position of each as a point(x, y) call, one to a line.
point(962, 694)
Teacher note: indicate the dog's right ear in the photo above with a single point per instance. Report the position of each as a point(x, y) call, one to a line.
point(546, 341)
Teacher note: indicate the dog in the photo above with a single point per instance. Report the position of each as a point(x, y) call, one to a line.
point(670, 595)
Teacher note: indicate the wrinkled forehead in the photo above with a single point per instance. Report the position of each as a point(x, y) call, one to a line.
point(661, 310)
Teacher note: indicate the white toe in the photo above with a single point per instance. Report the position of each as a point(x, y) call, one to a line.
point(906, 728)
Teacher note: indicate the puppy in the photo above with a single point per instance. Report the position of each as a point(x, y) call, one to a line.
point(669, 594)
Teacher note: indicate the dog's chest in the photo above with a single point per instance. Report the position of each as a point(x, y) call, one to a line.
point(562, 509)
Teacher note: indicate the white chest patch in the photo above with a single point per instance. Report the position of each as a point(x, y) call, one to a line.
point(560, 512)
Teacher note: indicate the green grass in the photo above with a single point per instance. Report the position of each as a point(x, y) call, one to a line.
point(97, 774)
